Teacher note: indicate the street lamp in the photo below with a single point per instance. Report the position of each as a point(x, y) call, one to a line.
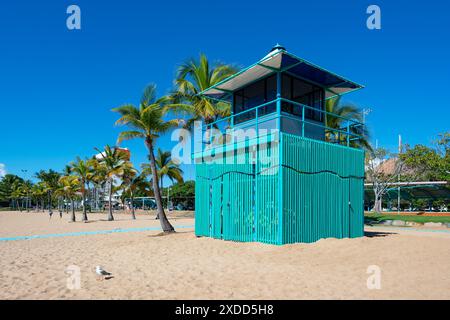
point(366, 112)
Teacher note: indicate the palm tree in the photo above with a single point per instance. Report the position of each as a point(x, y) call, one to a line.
point(98, 179)
point(82, 169)
point(26, 188)
point(17, 194)
point(147, 122)
point(50, 180)
point(6, 187)
point(69, 187)
point(195, 76)
point(38, 192)
point(165, 167)
point(131, 183)
point(114, 161)
point(346, 111)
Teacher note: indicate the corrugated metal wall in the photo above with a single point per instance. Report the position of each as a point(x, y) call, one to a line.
point(326, 190)
point(320, 186)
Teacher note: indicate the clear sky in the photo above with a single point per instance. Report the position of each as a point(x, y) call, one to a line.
point(57, 86)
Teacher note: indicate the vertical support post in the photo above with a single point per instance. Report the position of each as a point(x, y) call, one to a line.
point(303, 121)
point(255, 168)
point(279, 101)
point(348, 134)
point(280, 163)
point(280, 189)
point(232, 110)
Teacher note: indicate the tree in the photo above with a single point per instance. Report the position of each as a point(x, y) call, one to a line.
point(38, 192)
point(382, 169)
point(429, 163)
point(82, 169)
point(195, 76)
point(98, 179)
point(26, 188)
point(7, 184)
point(17, 193)
point(148, 122)
point(69, 187)
point(165, 167)
point(50, 181)
point(130, 182)
point(344, 111)
point(114, 162)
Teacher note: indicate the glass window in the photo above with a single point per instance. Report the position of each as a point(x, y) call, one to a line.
point(255, 95)
point(302, 92)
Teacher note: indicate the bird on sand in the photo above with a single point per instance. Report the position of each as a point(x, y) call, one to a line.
point(101, 273)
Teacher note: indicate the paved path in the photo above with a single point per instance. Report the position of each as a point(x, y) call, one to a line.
point(86, 233)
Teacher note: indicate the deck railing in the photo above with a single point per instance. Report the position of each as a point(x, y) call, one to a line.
point(350, 131)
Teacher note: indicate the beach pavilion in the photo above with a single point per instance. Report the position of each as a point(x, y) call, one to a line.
point(274, 171)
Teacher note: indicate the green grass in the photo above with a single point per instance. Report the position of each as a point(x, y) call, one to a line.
point(374, 217)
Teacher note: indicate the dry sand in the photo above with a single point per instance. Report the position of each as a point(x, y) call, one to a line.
point(414, 265)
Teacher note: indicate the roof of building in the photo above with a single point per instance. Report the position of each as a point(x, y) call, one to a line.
point(279, 60)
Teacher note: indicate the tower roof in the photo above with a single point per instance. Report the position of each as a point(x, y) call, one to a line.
point(280, 60)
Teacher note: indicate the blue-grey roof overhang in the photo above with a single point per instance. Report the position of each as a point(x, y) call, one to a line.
point(280, 60)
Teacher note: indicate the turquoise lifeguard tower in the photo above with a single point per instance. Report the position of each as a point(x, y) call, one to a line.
point(273, 171)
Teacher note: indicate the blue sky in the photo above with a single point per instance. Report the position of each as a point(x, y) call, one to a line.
point(57, 86)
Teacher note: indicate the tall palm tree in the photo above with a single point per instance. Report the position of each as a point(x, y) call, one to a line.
point(148, 122)
point(195, 76)
point(69, 187)
point(114, 161)
point(82, 169)
point(165, 167)
point(346, 111)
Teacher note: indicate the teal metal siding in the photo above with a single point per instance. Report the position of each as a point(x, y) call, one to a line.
point(300, 190)
point(326, 182)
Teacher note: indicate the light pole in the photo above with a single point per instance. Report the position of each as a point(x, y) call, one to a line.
point(366, 112)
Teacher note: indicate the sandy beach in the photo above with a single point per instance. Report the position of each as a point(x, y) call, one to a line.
point(146, 265)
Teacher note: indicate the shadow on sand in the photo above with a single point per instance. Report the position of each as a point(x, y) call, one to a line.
point(162, 234)
point(377, 234)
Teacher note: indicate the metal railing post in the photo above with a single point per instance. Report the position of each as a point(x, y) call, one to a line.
point(348, 134)
point(303, 121)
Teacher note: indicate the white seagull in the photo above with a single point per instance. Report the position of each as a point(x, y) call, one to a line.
point(101, 272)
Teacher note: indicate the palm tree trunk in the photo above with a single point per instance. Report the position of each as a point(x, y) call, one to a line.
point(110, 216)
point(85, 218)
point(133, 216)
point(165, 224)
point(89, 196)
point(72, 204)
point(50, 211)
